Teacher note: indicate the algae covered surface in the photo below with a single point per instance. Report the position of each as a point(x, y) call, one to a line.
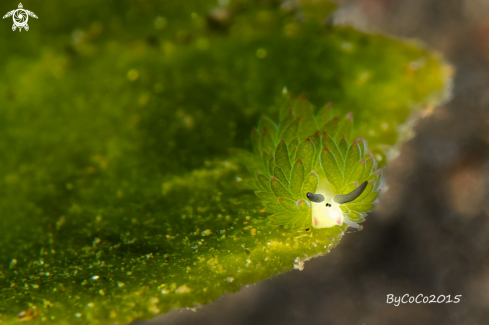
point(118, 196)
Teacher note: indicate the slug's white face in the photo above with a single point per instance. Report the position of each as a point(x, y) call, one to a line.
point(326, 214)
point(326, 207)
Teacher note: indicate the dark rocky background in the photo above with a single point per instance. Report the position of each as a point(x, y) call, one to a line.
point(430, 232)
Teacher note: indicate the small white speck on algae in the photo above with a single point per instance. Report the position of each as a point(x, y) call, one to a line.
point(183, 289)
point(298, 264)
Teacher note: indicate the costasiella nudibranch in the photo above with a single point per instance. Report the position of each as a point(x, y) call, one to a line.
point(309, 172)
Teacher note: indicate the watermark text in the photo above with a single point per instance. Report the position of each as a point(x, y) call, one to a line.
point(422, 299)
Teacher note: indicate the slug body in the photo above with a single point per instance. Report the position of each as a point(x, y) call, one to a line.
point(308, 171)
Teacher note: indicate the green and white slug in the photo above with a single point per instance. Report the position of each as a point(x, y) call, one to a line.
point(308, 172)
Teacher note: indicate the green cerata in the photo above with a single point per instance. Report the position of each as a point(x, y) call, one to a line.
point(309, 172)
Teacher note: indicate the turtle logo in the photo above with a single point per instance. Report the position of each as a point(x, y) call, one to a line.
point(20, 17)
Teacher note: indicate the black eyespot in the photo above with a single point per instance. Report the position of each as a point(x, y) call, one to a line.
point(328, 205)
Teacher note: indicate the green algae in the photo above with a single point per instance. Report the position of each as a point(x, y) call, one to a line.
point(118, 197)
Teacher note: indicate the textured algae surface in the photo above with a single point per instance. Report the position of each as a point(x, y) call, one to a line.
point(118, 197)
